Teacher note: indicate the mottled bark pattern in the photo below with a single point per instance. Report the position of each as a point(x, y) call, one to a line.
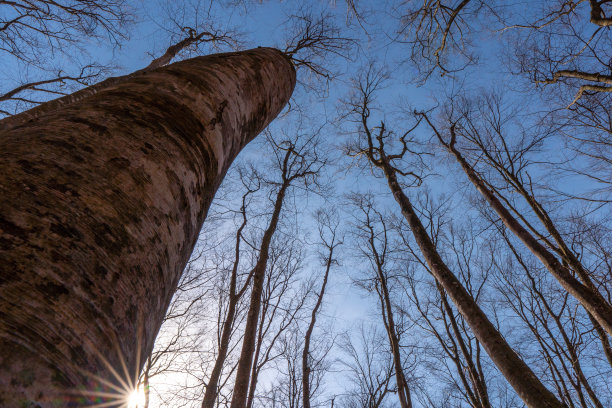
point(101, 202)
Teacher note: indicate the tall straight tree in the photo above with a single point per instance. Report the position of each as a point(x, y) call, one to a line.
point(296, 162)
point(328, 232)
point(102, 201)
point(375, 247)
point(235, 292)
point(585, 292)
point(375, 146)
point(282, 303)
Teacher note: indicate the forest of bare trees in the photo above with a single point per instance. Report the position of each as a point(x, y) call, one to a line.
point(348, 204)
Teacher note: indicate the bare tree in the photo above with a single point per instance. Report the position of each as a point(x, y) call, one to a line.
point(192, 27)
point(327, 223)
point(433, 311)
point(177, 342)
point(295, 162)
point(311, 42)
point(112, 229)
point(551, 44)
point(235, 293)
point(30, 27)
point(376, 248)
point(53, 86)
point(554, 323)
point(285, 390)
point(511, 165)
point(561, 47)
point(373, 145)
point(283, 300)
point(557, 48)
point(438, 33)
point(370, 369)
point(32, 32)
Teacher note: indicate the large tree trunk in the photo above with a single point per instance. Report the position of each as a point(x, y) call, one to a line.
point(101, 203)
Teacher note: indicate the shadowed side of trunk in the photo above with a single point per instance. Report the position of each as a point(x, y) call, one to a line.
point(101, 202)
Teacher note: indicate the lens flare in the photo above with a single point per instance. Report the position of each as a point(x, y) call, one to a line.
point(136, 399)
point(122, 389)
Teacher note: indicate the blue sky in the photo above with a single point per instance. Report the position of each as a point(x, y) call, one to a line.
point(347, 307)
point(265, 23)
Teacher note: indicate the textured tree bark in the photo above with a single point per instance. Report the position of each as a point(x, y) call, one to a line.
point(101, 203)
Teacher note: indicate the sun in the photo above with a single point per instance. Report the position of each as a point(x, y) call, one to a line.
point(136, 399)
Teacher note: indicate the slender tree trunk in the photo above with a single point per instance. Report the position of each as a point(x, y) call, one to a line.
point(145, 384)
point(571, 353)
point(101, 203)
point(377, 259)
point(567, 255)
point(313, 320)
point(403, 392)
point(588, 296)
point(211, 392)
point(603, 337)
point(255, 368)
point(478, 382)
point(241, 385)
point(210, 395)
point(519, 375)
